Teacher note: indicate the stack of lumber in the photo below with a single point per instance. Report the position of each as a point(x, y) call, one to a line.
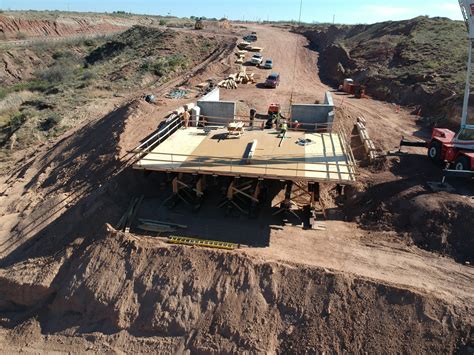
point(238, 78)
point(364, 137)
point(150, 225)
point(243, 45)
point(240, 56)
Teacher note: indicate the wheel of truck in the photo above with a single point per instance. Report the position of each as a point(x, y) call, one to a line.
point(434, 151)
point(462, 163)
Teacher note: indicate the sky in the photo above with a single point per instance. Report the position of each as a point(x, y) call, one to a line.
point(343, 11)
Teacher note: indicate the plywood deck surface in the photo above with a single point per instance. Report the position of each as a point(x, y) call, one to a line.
point(191, 150)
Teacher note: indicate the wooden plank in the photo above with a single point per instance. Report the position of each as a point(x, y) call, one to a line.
point(151, 221)
point(252, 150)
point(156, 228)
point(123, 220)
point(133, 213)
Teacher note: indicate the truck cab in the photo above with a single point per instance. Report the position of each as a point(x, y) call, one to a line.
point(447, 146)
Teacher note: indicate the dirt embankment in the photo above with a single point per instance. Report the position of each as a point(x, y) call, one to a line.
point(439, 222)
point(223, 302)
point(17, 28)
point(419, 62)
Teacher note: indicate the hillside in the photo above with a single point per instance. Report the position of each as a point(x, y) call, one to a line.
point(419, 62)
point(22, 25)
point(47, 86)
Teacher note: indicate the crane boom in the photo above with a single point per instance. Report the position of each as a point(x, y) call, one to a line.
point(467, 10)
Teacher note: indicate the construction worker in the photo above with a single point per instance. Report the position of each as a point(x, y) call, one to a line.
point(283, 129)
point(253, 113)
point(277, 119)
point(186, 118)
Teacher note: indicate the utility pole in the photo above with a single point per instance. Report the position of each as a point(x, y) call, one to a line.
point(301, 8)
point(333, 19)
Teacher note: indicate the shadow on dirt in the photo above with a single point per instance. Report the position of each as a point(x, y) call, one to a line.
point(435, 221)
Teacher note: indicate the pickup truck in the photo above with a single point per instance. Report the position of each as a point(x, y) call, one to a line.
point(256, 59)
point(250, 38)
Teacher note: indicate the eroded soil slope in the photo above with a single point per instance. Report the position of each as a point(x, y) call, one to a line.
point(16, 26)
point(224, 302)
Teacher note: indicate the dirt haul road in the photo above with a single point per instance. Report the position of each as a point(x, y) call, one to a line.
point(76, 284)
point(340, 247)
point(301, 84)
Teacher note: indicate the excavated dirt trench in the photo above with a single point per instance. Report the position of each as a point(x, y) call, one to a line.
point(211, 301)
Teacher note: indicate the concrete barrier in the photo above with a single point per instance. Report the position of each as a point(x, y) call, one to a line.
point(215, 111)
point(315, 113)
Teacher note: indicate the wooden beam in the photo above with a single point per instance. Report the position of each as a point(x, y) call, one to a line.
point(253, 148)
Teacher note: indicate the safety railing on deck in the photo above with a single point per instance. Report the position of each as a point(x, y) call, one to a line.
point(315, 167)
point(157, 138)
point(345, 169)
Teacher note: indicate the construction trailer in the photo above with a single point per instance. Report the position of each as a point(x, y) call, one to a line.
point(306, 155)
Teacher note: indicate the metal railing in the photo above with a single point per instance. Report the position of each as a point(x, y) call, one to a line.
point(157, 138)
point(176, 122)
point(261, 167)
point(344, 168)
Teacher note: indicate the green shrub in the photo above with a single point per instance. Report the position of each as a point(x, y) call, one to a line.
point(50, 122)
point(62, 55)
point(163, 22)
point(165, 65)
point(20, 35)
point(89, 75)
point(58, 73)
point(89, 42)
point(16, 121)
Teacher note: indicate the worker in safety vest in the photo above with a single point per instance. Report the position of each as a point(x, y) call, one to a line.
point(186, 117)
point(283, 129)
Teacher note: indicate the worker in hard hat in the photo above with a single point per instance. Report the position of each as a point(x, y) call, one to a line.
point(283, 129)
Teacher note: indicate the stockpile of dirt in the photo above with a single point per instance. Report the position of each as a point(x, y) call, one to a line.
point(440, 222)
point(418, 62)
point(213, 301)
point(17, 27)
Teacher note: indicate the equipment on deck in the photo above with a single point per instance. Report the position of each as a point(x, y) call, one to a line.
point(446, 145)
point(235, 129)
point(273, 115)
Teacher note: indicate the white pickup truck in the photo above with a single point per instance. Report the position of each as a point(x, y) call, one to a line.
point(256, 59)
